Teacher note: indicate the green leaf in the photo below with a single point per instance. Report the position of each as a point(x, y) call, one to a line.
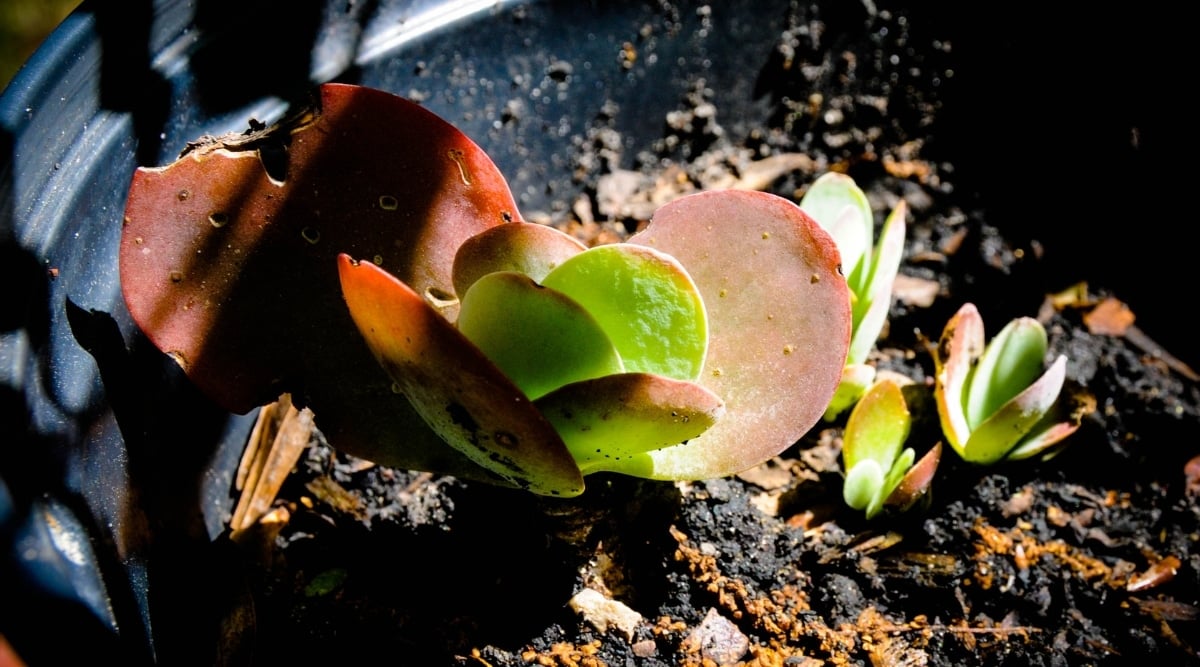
point(855, 380)
point(837, 203)
point(326, 582)
point(877, 427)
point(871, 308)
point(892, 480)
point(1005, 428)
point(539, 337)
point(645, 301)
point(524, 247)
point(864, 482)
point(1010, 363)
point(611, 422)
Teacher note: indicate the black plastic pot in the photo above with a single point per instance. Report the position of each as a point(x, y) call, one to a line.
point(115, 475)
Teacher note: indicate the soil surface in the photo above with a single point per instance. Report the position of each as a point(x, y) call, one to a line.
point(1088, 558)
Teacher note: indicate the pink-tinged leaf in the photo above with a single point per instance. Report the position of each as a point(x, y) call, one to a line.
point(961, 344)
point(877, 427)
point(467, 401)
point(540, 338)
point(836, 202)
point(524, 247)
point(611, 423)
point(999, 434)
point(1064, 419)
point(233, 271)
point(917, 481)
point(779, 323)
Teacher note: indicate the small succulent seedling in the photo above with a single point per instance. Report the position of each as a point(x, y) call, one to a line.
point(837, 203)
point(381, 274)
point(879, 469)
point(999, 401)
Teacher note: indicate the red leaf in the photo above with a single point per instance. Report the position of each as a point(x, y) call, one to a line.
point(234, 273)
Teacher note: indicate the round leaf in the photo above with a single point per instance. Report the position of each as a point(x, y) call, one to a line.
point(524, 247)
point(778, 318)
point(645, 301)
point(539, 337)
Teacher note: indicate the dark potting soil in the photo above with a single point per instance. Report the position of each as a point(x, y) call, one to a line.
point(1088, 558)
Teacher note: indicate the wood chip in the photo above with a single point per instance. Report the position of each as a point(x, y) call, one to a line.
point(279, 437)
point(1110, 317)
point(917, 292)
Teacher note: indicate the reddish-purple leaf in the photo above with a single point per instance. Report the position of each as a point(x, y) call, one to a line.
point(232, 270)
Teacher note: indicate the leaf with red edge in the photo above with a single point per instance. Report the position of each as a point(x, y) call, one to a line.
point(779, 323)
point(961, 344)
point(232, 270)
point(613, 422)
point(463, 396)
point(524, 247)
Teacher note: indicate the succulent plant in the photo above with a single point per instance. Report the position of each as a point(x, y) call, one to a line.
point(879, 469)
point(999, 401)
point(836, 202)
point(367, 257)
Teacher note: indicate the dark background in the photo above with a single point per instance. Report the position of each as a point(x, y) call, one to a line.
point(1080, 136)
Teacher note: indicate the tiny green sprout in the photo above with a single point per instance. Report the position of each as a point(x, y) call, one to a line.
point(879, 469)
point(837, 203)
point(998, 401)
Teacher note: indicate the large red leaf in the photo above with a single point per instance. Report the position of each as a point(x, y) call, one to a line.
point(233, 270)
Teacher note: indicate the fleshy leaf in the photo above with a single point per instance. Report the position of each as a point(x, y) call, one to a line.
point(837, 204)
point(878, 426)
point(778, 318)
point(228, 258)
point(1012, 360)
point(524, 247)
point(895, 475)
point(539, 337)
point(916, 481)
point(1003, 430)
point(871, 309)
point(961, 344)
point(645, 301)
point(610, 423)
point(863, 484)
point(855, 380)
point(461, 394)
